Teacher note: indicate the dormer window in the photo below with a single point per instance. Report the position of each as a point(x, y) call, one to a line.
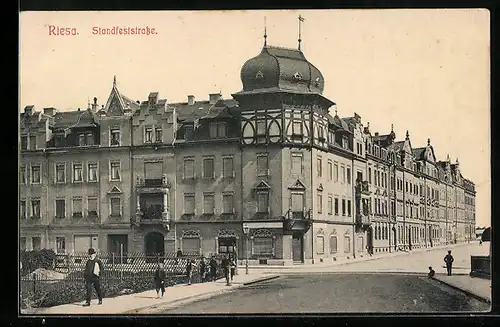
point(317, 82)
point(259, 75)
point(297, 76)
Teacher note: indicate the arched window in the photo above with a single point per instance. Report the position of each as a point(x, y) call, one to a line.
point(263, 243)
point(191, 242)
point(347, 243)
point(333, 242)
point(320, 241)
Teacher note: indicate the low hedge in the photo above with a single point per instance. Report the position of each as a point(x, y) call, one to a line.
point(32, 260)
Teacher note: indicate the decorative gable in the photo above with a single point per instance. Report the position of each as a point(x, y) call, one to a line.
point(262, 186)
point(297, 186)
point(115, 190)
point(115, 108)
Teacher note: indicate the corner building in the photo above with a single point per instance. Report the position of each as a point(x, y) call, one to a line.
point(307, 185)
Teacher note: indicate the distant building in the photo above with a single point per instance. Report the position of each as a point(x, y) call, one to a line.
point(152, 176)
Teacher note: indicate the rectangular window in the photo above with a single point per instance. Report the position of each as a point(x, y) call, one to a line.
point(330, 205)
point(188, 133)
point(90, 139)
point(92, 207)
point(77, 172)
point(92, 172)
point(320, 244)
point(188, 168)
point(115, 207)
point(320, 202)
point(213, 130)
point(35, 209)
point(347, 244)
point(336, 207)
point(333, 244)
point(262, 165)
point(348, 175)
point(189, 204)
point(336, 172)
point(330, 170)
point(343, 207)
point(23, 174)
point(261, 127)
point(22, 209)
point(343, 174)
point(297, 202)
point(115, 137)
point(227, 203)
point(208, 203)
point(35, 174)
point(263, 202)
point(60, 208)
point(33, 142)
point(148, 135)
point(262, 246)
point(208, 168)
point(297, 127)
point(36, 241)
point(115, 171)
point(349, 208)
point(60, 173)
point(60, 245)
point(227, 167)
point(24, 142)
point(77, 207)
point(319, 167)
point(81, 139)
point(369, 175)
point(158, 135)
point(221, 129)
point(296, 163)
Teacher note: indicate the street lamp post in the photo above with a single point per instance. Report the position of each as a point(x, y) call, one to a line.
point(246, 231)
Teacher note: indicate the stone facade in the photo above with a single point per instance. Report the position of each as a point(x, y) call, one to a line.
point(270, 175)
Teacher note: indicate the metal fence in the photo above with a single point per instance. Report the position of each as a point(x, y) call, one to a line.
point(131, 271)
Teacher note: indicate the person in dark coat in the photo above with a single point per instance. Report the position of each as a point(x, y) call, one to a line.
point(159, 280)
point(190, 266)
point(225, 267)
point(431, 273)
point(179, 253)
point(232, 266)
point(93, 271)
point(203, 267)
point(448, 259)
point(213, 269)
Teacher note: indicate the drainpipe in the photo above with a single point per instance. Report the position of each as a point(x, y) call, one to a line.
point(353, 212)
point(131, 123)
point(389, 207)
point(47, 243)
point(245, 237)
point(311, 215)
point(404, 208)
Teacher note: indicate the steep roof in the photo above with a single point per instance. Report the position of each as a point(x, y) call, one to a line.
point(419, 153)
point(396, 146)
point(203, 109)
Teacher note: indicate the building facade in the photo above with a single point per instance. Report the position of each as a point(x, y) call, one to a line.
point(308, 186)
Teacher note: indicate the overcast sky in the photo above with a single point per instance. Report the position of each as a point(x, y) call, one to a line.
point(427, 71)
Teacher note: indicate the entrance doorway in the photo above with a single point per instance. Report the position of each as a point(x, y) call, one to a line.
point(297, 248)
point(155, 246)
point(227, 246)
point(369, 240)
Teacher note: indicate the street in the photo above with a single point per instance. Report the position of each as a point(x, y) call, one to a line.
point(338, 293)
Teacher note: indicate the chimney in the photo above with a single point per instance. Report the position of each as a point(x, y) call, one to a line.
point(153, 98)
point(49, 111)
point(28, 110)
point(214, 97)
point(190, 100)
point(94, 105)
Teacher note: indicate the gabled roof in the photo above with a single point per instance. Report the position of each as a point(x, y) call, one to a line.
point(298, 185)
point(419, 153)
point(70, 119)
point(203, 109)
point(396, 146)
point(262, 185)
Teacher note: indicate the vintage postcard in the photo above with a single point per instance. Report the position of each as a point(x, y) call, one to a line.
point(230, 162)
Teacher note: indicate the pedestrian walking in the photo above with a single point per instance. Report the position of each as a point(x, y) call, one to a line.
point(190, 266)
point(232, 265)
point(448, 259)
point(203, 268)
point(159, 280)
point(213, 269)
point(431, 272)
point(93, 271)
point(225, 267)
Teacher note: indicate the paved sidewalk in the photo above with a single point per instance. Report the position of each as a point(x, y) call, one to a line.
point(146, 302)
point(476, 287)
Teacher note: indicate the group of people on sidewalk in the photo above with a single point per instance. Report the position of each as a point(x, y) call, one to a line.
point(448, 260)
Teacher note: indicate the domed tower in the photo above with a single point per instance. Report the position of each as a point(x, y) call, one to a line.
point(281, 83)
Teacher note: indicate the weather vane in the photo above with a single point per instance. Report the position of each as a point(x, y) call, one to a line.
point(301, 20)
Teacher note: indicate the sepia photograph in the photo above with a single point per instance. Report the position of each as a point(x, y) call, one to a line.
point(254, 162)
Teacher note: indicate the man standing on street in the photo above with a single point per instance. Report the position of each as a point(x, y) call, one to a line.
point(213, 269)
point(92, 274)
point(448, 259)
point(225, 267)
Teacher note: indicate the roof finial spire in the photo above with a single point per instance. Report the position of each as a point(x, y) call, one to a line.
point(428, 142)
point(407, 135)
point(301, 19)
point(114, 80)
point(392, 128)
point(265, 32)
point(88, 102)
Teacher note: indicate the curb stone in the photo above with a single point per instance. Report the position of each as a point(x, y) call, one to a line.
point(151, 309)
point(466, 292)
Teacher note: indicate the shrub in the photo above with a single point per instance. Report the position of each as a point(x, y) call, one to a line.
point(32, 260)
